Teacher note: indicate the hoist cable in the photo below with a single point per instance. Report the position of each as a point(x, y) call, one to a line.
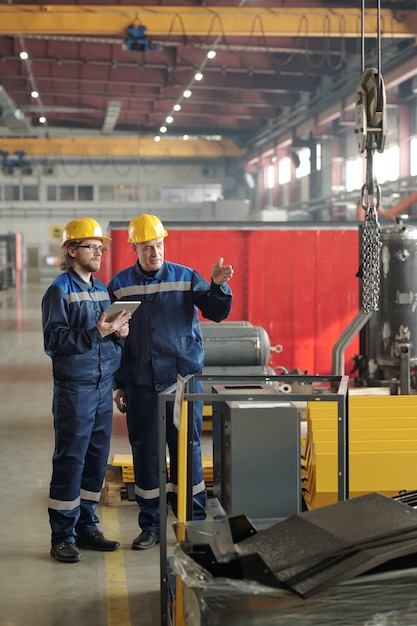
point(363, 36)
point(370, 131)
point(379, 36)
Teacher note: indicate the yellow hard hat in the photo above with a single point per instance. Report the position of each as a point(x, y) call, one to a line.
point(82, 228)
point(145, 228)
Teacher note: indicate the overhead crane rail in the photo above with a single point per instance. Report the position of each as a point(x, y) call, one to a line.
point(48, 19)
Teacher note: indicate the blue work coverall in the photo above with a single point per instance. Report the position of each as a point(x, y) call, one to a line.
point(83, 366)
point(164, 340)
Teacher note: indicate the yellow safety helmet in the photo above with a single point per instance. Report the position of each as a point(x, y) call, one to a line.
point(82, 228)
point(145, 228)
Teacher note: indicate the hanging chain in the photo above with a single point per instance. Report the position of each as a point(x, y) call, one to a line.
point(371, 257)
point(371, 247)
point(370, 131)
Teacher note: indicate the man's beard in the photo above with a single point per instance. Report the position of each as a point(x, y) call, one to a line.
point(91, 266)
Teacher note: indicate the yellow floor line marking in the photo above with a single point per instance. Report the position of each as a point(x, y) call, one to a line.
point(116, 583)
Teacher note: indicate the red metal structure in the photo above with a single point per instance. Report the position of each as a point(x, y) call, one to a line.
point(298, 284)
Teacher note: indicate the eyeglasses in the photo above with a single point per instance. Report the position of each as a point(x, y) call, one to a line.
point(93, 247)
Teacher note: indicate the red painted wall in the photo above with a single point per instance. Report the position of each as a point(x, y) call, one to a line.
point(299, 285)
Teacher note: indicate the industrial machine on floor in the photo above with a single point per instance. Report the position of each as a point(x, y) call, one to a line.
point(256, 453)
point(388, 336)
point(236, 344)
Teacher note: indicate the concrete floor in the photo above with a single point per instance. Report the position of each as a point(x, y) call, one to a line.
point(118, 588)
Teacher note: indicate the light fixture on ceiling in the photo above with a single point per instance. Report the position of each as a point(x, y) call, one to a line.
point(24, 56)
point(10, 115)
point(198, 76)
point(112, 115)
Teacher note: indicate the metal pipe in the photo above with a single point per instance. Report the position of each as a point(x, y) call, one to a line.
point(358, 322)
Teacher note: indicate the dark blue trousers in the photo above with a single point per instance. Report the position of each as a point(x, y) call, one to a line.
point(83, 415)
point(142, 424)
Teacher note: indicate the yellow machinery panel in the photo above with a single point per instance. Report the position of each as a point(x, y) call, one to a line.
point(382, 447)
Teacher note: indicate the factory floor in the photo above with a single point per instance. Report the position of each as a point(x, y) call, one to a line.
point(118, 588)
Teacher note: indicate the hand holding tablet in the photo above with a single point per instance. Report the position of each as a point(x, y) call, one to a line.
point(121, 305)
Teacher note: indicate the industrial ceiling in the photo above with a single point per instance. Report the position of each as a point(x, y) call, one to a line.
point(112, 77)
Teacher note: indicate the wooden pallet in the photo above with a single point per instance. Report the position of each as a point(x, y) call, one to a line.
point(119, 480)
point(115, 490)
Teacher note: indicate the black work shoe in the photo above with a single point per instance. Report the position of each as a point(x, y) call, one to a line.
point(95, 540)
point(66, 552)
point(146, 539)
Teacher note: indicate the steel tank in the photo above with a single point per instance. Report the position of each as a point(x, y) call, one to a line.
point(397, 315)
point(235, 343)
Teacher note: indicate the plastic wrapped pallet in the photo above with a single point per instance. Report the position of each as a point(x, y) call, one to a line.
point(384, 599)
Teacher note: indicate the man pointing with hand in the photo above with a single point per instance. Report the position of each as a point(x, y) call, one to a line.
point(164, 340)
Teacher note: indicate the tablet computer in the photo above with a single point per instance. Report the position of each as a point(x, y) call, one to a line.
point(121, 305)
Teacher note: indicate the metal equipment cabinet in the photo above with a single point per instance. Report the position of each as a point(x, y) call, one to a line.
point(256, 457)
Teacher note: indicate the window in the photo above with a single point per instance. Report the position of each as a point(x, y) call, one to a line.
point(143, 193)
point(85, 193)
point(67, 193)
point(387, 164)
point(270, 177)
point(318, 157)
point(173, 194)
point(304, 168)
point(284, 171)
point(106, 193)
point(51, 193)
point(413, 156)
point(354, 174)
point(125, 193)
point(213, 192)
point(30, 192)
point(11, 193)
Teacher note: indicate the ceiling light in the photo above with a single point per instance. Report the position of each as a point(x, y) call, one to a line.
point(187, 93)
point(112, 115)
point(42, 119)
point(24, 55)
point(211, 54)
point(157, 138)
point(35, 94)
point(177, 107)
point(198, 76)
point(185, 137)
point(163, 129)
point(169, 119)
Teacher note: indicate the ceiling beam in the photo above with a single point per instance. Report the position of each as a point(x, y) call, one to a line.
point(206, 21)
point(121, 147)
point(317, 122)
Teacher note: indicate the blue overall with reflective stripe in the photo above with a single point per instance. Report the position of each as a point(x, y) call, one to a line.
point(83, 364)
point(164, 340)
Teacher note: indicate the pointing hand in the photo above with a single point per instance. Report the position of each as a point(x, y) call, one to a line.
point(221, 273)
